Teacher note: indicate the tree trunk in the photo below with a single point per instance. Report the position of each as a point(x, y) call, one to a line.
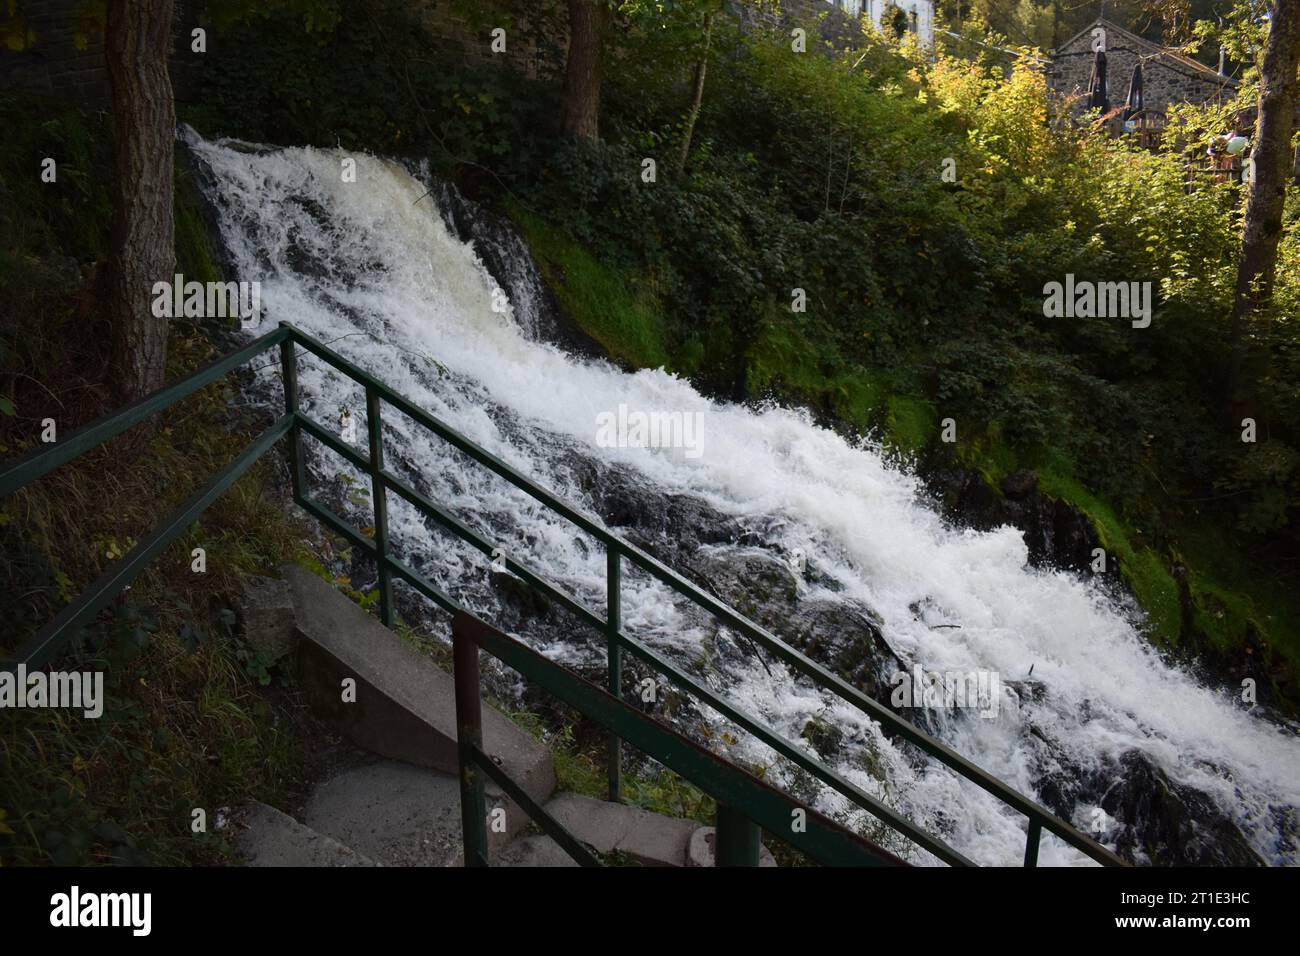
point(587, 20)
point(694, 114)
point(142, 250)
point(1271, 156)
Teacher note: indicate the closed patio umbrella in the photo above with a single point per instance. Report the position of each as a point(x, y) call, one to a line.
point(1097, 98)
point(1134, 102)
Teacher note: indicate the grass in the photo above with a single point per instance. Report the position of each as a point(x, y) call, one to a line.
point(192, 720)
point(616, 310)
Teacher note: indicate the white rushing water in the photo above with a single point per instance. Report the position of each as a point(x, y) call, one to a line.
point(369, 267)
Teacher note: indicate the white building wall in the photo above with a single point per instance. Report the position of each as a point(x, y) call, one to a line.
point(923, 10)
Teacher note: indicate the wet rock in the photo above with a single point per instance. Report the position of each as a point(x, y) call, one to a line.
point(521, 597)
point(1019, 485)
point(508, 260)
point(825, 737)
point(1164, 822)
point(757, 580)
point(663, 524)
point(1056, 534)
point(1027, 690)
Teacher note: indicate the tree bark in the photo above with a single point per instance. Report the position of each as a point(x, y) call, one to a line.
point(1271, 157)
point(694, 114)
point(587, 22)
point(142, 250)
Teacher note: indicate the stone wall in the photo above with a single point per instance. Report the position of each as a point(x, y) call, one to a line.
point(536, 33)
point(56, 66)
point(1166, 78)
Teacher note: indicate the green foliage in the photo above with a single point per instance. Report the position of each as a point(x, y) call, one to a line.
point(16, 33)
point(70, 215)
point(313, 15)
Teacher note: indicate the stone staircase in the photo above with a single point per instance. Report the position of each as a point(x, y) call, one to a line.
point(396, 800)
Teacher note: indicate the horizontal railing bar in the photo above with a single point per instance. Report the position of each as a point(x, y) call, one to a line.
point(39, 650)
point(535, 811)
point(422, 584)
point(398, 567)
point(818, 769)
point(333, 442)
point(470, 536)
point(338, 524)
point(39, 461)
point(822, 839)
point(784, 651)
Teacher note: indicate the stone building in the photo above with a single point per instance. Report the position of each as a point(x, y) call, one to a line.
point(1168, 76)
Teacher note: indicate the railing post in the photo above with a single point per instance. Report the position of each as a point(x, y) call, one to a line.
point(289, 373)
point(1031, 843)
point(613, 614)
point(469, 737)
point(379, 494)
point(736, 839)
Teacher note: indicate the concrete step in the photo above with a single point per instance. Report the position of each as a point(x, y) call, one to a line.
point(533, 850)
point(405, 706)
point(701, 850)
point(267, 837)
point(402, 815)
point(650, 839)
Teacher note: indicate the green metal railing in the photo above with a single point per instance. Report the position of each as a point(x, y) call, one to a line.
point(745, 804)
point(295, 423)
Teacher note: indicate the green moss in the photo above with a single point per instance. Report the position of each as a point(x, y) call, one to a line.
point(614, 309)
point(856, 396)
point(193, 249)
point(785, 363)
point(782, 359)
point(1143, 569)
point(1231, 599)
point(988, 454)
point(910, 423)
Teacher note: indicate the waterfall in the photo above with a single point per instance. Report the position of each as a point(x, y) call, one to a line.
point(781, 516)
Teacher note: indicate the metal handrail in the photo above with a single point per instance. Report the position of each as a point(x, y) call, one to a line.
point(294, 423)
point(745, 803)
